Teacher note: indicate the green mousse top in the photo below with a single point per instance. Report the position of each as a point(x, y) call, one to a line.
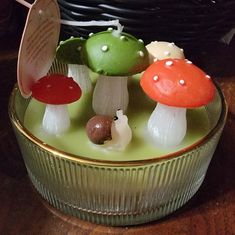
point(69, 51)
point(113, 54)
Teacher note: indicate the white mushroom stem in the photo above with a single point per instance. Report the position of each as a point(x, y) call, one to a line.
point(167, 125)
point(121, 133)
point(56, 119)
point(80, 74)
point(110, 94)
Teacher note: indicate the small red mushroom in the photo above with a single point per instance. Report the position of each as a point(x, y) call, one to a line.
point(176, 84)
point(56, 91)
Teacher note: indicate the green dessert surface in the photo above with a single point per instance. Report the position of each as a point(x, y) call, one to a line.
point(75, 140)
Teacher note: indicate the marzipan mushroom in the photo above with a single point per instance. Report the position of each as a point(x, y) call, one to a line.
point(114, 57)
point(160, 50)
point(176, 84)
point(69, 52)
point(56, 91)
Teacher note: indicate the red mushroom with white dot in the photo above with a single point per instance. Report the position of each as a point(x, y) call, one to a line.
point(176, 84)
point(56, 91)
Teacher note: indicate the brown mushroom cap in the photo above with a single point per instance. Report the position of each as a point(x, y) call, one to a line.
point(177, 82)
point(56, 89)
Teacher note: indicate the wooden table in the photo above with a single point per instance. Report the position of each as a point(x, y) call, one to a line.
point(211, 211)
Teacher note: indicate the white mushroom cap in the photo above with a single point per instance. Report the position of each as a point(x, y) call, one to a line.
point(164, 50)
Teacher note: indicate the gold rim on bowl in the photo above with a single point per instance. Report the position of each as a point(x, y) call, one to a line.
point(85, 160)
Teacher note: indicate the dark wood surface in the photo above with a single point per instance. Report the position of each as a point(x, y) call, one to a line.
point(22, 211)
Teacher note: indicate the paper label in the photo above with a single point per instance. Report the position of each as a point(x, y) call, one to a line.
point(38, 43)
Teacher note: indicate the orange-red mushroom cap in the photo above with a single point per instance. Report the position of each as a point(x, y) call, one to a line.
point(178, 83)
point(56, 89)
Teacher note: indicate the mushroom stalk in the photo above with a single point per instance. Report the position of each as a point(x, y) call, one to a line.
point(56, 119)
point(110, 94)
point(80, 74)
point(167, 125)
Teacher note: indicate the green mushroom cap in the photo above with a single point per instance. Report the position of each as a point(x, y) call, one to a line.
point(70, 51)
point(115, 55)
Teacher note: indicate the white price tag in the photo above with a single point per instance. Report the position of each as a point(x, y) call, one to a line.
point(38, 43)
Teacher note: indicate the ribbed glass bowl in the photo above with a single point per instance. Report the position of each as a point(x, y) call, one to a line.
point(116, 193)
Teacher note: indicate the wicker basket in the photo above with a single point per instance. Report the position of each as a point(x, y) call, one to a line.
point(187, 23)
